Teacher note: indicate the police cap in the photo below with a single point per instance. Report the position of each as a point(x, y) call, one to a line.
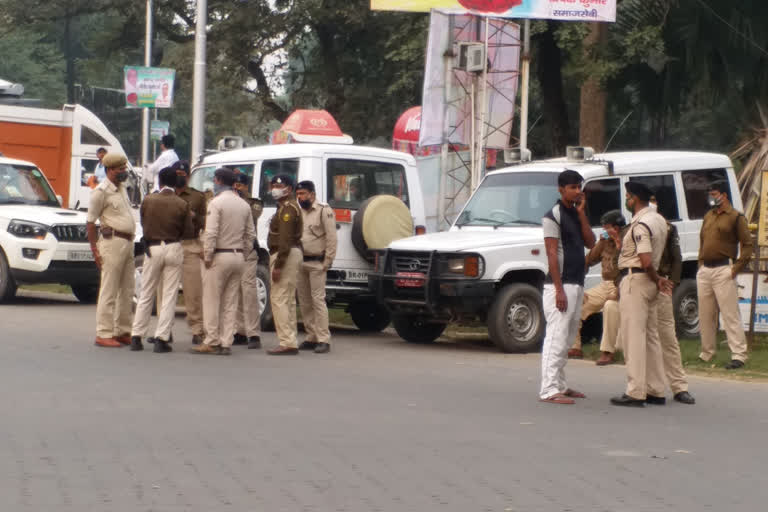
point(282, 179)
point(243, 179)
point(181, 165)
point(306, 185)
point(226, 176)
point(113, 160)
point(640, 190)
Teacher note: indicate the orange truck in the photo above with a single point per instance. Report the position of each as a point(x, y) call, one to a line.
point(62, 143)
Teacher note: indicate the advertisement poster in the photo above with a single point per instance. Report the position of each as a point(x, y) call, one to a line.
point(148, 87)
point(744, 282)
point(570, 10)
point(158, 129)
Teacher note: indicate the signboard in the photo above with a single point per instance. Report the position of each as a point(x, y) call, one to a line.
point(158, 129)
point(762, 229)
point(148, 87)
point(573, 10)
point(744, 282)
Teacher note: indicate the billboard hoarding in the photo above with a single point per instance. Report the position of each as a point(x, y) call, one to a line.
point(566, 10)
point(148, 87)
point(158, 129)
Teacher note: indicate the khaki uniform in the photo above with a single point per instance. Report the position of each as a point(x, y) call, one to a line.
point(720, 237)
point(284, 242)
point(638, 296)
point(248, 304)
point(164, 218)
point(192, 268)
point(606, 253)
point(227, 241)
point(319, 243)
point(109, 205)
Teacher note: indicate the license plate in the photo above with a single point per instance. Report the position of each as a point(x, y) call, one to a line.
point(357, 275)
point(410, 280)
point(79, 256)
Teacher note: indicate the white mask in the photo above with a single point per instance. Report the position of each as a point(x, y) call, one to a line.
point(278, 193)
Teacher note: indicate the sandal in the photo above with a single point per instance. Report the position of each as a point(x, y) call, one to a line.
point(559, 398)
point(574, 394)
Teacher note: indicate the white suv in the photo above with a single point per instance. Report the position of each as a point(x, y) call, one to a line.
point(491, 264)
point(40, 242)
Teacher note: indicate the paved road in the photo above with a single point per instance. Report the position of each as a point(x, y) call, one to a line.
point(379, 425)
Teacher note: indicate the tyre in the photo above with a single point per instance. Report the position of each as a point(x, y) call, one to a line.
point(415, 330)
point(86, 293)
point(369, 316)
point(380, 221)
point(262, 281)
point(516, 319)
point(686, 303)
point(7, 283)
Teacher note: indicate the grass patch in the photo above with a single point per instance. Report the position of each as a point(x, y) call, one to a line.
point(338, 316)
point(756, 366)
point(48, 288)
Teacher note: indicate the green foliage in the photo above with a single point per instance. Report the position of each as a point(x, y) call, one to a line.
point(31, 61)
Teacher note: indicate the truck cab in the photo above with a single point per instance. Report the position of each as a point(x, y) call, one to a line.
point(491, 264)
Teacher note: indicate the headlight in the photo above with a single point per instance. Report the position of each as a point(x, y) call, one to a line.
point(468, 266)
point(26, 229)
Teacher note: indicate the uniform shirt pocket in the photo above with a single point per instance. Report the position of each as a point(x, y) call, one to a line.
point(317, 231)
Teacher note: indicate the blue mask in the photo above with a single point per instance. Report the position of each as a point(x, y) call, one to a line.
point(604, 235)
point(217, 188)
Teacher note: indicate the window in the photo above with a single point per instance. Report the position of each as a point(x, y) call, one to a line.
point(602, 196)
point(202, 178)
point(663, 188)
point(246, 169)
point(25, 185)
point(270, 169)
point(89, 136)
point(87, 171)
point(695, 185)
point(350, 182)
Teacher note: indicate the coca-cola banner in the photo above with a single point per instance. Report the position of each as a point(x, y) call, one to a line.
point(573, 10)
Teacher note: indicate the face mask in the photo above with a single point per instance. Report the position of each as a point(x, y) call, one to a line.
point(306, 204)
point(715, 203)
point(218, 188)
point(278, 193)
point(181, 181)
point(121, 177)
point(604, 235)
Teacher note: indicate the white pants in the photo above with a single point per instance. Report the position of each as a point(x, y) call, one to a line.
point(161, 271)
point(562, 327)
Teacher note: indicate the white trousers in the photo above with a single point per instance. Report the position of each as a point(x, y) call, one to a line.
point(562, 328)
point(161, 271)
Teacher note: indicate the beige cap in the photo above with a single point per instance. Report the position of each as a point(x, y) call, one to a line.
point(112, 160)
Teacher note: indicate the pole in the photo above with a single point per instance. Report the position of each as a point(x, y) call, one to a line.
point(198, 93)
point(147, 62)
point(442, 183)
point(154, 142)
point(526, 74)
point(753, 306)
point(482, 129)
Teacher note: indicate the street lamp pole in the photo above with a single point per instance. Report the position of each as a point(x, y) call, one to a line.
point(145, 110)
point(198, 93)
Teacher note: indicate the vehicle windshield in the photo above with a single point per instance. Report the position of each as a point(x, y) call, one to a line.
point(21, 184)
point(508, 199)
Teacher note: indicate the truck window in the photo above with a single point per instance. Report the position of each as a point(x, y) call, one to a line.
point(202, 178)
point(602, 196)
point(89, 136)
point(88, 173)
point(270, 169)
point(663, 187)
point(695, 185)
point(350, 182)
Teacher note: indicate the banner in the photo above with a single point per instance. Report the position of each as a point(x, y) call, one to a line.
point(158, 129)
point(148, 87)
point(573, 10)
point(762, 230)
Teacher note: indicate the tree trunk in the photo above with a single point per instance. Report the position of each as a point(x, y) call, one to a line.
point(592, 112)
point(551, 79)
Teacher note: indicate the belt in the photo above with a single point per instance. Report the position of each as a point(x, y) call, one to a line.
point(633, 270)
point(108, 233)
point(320, 257)
point(716, 263)
point(216, 251)
point(151, 243)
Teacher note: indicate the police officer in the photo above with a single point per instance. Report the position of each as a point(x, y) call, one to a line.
point(319, 244)
point(191, 270)
point(165, 218)
point(723, 230)
point(112, 247)
point(285, 258)
point(640, 255)
point(227, 242)
point(248, 305)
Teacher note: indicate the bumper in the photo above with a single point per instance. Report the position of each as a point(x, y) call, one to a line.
point(64, 272)
point(340, 290)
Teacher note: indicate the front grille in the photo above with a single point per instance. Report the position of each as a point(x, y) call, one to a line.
point(413, 262)
point(70, 233)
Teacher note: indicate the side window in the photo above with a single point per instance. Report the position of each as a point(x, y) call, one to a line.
point(695, 185)
point(602, 196)
point(246, 169)
point(89, 136)
point(202, 178)
point(87, 172)
point(350, 182)
point(271, 168)
point(666, 196)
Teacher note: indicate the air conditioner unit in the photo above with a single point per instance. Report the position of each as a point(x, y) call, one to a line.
point(471, 56)
point(230, 142)
point(517, 156)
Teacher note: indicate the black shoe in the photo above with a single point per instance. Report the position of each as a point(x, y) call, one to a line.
point(136, 343)
point(197, 339)
point(655, 400)
point(308, 345)
point(322, 348)
point(150, 340)
point(685, 397)
point(734, 365)
point(225, 351)
point(240, 339)
point(162, 346)
point(254, 342)
point(627, 401)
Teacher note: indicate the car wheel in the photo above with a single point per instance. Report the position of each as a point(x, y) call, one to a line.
point(262, 281)
point(686, 304)
point(7, 283)
point(516, 319)
point(369, 316)
point(415, 330)
point(87, 294)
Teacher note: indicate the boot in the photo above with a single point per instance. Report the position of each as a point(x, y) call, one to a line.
point(254, 342)
point(136, 344)
point(239, 339)
point(162, 346)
